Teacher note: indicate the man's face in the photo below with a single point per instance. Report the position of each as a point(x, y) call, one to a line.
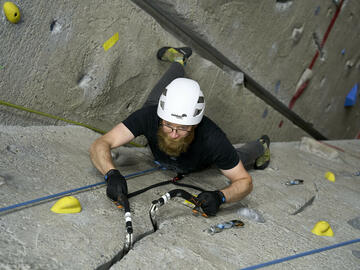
point(174, 139)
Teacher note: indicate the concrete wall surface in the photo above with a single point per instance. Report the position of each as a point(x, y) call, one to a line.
point(53, 61)
point(275, 41)
point(248, 57)
point(40, 161)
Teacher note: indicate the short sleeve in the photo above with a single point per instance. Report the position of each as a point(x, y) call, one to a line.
point(224, 153)
point(140, 121)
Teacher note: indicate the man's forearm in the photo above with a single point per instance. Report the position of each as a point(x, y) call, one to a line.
point(238, 190)
point(100, 155)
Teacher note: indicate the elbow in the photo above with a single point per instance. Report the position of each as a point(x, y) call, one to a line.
point(94, 147)
point(249, 185)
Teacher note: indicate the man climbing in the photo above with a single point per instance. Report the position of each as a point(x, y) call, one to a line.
point(181, 138)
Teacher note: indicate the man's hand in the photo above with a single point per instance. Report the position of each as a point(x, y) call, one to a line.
point(116, 185)
point(210, 201)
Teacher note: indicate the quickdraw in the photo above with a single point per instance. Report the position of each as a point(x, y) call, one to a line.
point(123, 202)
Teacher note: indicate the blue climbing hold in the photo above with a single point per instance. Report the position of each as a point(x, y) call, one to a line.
point(277, 86)
point(351, 97)
point(265, 113)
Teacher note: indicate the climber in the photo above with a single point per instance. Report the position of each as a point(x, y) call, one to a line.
point(181, 138)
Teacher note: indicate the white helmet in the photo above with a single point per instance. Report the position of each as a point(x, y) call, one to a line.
point(182, 102)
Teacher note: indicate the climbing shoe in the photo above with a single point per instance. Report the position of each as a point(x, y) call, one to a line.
point(170, 54)
point(263, 161)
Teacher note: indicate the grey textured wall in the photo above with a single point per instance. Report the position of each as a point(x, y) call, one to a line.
point(53, 61)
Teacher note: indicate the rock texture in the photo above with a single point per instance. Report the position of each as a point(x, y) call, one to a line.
point(40, 161)
point(53, 61)
point(248, 58)
point(274, 42)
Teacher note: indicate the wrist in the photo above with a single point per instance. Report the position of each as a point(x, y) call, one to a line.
point(221, 196)
point(110, 173)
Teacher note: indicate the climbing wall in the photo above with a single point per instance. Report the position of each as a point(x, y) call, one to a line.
point(40, 162)
point(95, 63)
point(305, 53)
point(54, 60)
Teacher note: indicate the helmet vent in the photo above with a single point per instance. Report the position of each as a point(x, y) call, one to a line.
point(162, 104)
point(201, 100)
point(197, 112)
point(164, 93)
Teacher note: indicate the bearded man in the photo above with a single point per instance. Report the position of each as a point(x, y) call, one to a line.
point(182, 138)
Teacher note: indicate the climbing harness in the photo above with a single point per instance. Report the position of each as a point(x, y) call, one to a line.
point(166, 198)
point(172, 181)
point(123, 202)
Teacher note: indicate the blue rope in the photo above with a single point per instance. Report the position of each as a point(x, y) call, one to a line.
point(301, 254)
point(70, 191)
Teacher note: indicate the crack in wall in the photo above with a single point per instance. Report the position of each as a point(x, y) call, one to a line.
point(122, 253)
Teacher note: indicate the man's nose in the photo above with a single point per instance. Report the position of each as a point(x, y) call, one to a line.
point(174, 134)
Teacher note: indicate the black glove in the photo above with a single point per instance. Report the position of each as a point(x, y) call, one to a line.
point(116, 185)
point(210, 201)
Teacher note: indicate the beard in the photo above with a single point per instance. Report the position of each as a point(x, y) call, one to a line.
point(173, 147)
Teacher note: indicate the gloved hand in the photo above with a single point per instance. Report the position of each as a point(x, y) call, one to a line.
point(210, 201)
point(116, 184)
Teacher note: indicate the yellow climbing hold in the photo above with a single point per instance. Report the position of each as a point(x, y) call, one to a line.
point(330, 176)
point(111, 42)
point(67, 205)
point(12, 12)
point(322, 228)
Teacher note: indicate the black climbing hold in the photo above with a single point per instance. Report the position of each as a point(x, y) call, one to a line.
point(52, 25)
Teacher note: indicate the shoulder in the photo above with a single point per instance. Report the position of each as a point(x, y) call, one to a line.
point(142, 121)
point(217, 145)
point(211, 135)
point(143, 113)
point(151, 110)
point(209, 128)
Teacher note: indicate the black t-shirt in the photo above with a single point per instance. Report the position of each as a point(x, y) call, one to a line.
point(210, 144)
